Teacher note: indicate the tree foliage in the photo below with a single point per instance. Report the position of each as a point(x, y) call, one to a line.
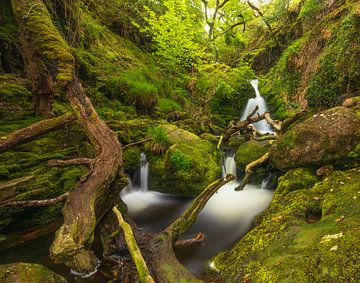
point(175, 33)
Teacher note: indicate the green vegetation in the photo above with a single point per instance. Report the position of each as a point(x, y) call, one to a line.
point(248, 152)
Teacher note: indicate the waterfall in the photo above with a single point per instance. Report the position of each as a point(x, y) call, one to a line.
point(229, 164)
point(144, 173)
point(261, 126)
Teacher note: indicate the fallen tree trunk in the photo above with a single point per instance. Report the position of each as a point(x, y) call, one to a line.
point(29, 133)
point(165, 264)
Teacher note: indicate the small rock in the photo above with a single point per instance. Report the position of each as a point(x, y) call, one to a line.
point(334, 248)
point(324, 170)
point(354, 197)
point(348, 102)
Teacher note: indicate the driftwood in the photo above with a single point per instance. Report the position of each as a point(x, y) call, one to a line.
point(29, 133)
point(249, 170)
point(245, 128)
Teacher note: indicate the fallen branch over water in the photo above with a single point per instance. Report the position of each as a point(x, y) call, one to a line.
point(141, 267)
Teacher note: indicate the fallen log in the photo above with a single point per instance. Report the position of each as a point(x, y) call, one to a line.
point(29, 133)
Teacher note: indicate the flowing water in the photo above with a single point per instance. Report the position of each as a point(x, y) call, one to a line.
point(226, 217)
point(261, 126)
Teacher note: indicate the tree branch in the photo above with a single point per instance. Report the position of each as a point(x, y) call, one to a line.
point(136, 143)
point(26, 134)
point(249, 170)
point(141, 267)
point(35, 203)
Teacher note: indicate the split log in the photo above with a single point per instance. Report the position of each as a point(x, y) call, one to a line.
point(141, 267)
point(29, 133)
point(249, 170)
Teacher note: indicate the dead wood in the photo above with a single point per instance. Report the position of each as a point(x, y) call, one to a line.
point(35, 203)
point(29, 133)
point(249, 170)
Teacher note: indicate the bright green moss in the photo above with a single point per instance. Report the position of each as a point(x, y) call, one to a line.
point(36, 20)
point(248, 152)
point(131, 158)
point(288, 241)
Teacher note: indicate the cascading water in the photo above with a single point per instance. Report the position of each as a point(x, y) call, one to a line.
point(261, 126)
point(144, 173)
point(226, 217)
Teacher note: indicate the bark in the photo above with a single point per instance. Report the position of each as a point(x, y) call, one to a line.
point(141, 267)
point(36, 203)
point(249, 170)
point(90, 199)
point(27, 134)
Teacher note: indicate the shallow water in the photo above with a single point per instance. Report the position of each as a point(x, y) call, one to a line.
point(227, 216)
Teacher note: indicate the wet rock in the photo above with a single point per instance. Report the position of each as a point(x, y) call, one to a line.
point(323, 138)
point(26, 272)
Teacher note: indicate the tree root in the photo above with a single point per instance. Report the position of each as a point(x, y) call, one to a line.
point(29, 133)
point(35, 203)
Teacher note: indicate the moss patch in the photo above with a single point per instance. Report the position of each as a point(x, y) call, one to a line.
point(287, 245)
point(249, 152)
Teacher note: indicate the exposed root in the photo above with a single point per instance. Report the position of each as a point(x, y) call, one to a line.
point(35, 203)
point(29, 133)
point(75, 161)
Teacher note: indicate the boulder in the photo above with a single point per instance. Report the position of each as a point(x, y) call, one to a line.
point(248, 152)
point(325, 137)
point(188, 166)
point(28, 272)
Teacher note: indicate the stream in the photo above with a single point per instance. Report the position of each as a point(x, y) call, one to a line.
point(225, 219)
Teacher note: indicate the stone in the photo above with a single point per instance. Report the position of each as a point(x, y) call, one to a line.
point(325, 137)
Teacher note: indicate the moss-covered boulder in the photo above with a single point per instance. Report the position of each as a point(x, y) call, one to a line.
point(306, 235)
point(250, 151)
point(131, 159)
point(187, 167)
point(325, 137)
point(26, 272)
point(296, 179)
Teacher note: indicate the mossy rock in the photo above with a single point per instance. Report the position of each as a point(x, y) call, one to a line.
point(28, 272)
point(248, 152)
point(131, 158)
point(306, 235)
point(188, 166)
point(296, 179)
point(325, 137)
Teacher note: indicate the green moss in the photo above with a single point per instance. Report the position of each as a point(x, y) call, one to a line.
point(248, 152)
point(131, 158)
point(27, 272)
point(47, 40)
point(188, 166)
point(287, 140)
point(296, 179)
point(288, 241)
point(167, 105)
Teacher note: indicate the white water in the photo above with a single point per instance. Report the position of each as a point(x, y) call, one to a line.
point(144, 173)
point(261, 126)
point(224, 220)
